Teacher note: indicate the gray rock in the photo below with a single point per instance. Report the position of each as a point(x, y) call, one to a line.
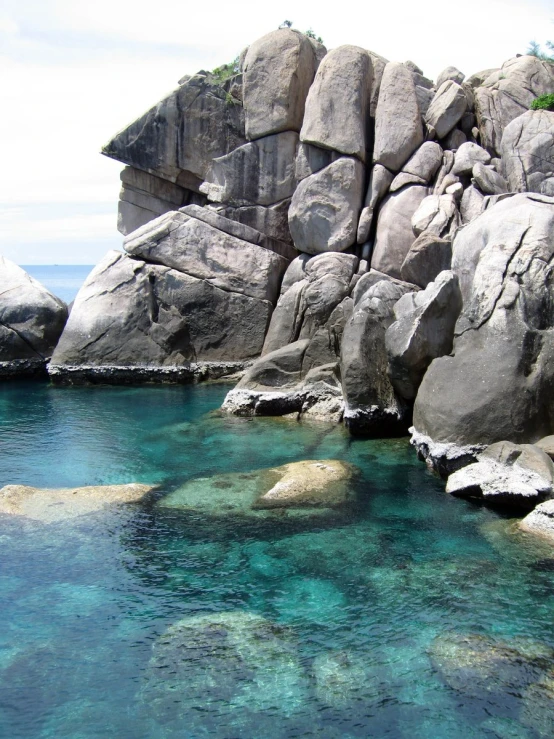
point(437, 214)
point(198, 249)
point(278, 71)
point(258, 173)
point(337, 108)
point(273, 220)
point(308, 302)
point(129, 313)
point(447, 182)
point(454, 140)
point(424, 97)
point(423, 330)
point(506, 474)
point(496, 385)
point(378, 63)
point(296, 271)
point(281, 368)
point(181, 135)
point(239, 230)
point(324, 210)
point(467, 157)
point(398, 129)
point(450, 73)
point(428, 256)
point(540, 520)
point(403, 179)
point(471, 205)
point(394, 230)
point(31, 319)
point(371, 405)
point(447, 108)
point(371, 278)
point(528, 152)
point(444, 171)
point(425, 161)
point(508, 93)
point(310, 159)
point(547, 445)
point(487, 180)
point(379, 183)
point(144, 197)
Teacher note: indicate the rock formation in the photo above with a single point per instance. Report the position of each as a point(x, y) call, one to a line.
point(369, 242)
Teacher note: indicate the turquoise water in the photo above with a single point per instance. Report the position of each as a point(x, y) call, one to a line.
point(410, 614)
point(63, 280)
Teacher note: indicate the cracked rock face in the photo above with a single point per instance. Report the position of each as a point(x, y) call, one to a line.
point(133, 313)
point(497, 382)
point(528, 152)
point(31, 318)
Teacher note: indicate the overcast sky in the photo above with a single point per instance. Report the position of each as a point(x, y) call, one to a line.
point(74, 72)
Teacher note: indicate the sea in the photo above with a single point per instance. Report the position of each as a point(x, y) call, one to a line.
point(406, 614)
point(63, 280)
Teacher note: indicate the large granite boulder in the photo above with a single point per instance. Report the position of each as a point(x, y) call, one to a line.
point(201, 250)
point(467, 156)
point(398, 127)
point(450, 73)
point(508, 93)
point(324, 210)
point(447, 108)
point(506, 474)
point(527, 150)
point(259, 173)
point(394, 229)
point(271, 220)
point(540, 521)
point(308, 302)
point(437, 214)
point(337, 108)
point(31, 321)
point(428, 256)
point(423, 330)
point(497, 383)
point(371, 404)
point(131, 313)
point(277, 73)
point(178, 138)
point(420, 167)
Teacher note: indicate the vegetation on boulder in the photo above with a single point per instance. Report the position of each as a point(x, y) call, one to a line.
point(544, 102)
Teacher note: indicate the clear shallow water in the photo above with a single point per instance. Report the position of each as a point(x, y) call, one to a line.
point(63, 280)
point(149, 622)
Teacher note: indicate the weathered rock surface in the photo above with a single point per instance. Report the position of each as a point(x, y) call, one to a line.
point(508, 93)
point(278, 71)
point(201, 250)
point(506, 474)
point(51, 505)
point(547, 445)
point(337, 108)
point(422, 331)
point(527, 150)
point(540, 520)
point(261, 172)
point(271, 220)
point(437, 214)
point(130, 313)
point(398, 128)
point(496, 385)
point(31, 320)
point(309, 484)
point(372, 407)
point(450, 73)
point(447, 108)
point(324, 210)
point(178, 138)
point(467, 157)
point(379, 183)
point(471, 205)
point(487, 180)
point(394, 229)
point(428, 256)
point(310, 159)
point(422, 166)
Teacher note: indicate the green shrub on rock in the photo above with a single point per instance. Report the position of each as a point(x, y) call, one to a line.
point(544, 102)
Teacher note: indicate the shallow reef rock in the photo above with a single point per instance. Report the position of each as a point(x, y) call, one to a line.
point(233, 656)
point(52, 505)
point(540, 520)
point(31, 322)
point(300, 488)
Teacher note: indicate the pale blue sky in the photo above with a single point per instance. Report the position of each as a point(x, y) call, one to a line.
point(74, 72)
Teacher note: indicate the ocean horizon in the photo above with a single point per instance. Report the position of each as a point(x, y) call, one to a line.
point(63, 280)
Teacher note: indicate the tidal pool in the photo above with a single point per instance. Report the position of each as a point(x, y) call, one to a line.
point(409, 615)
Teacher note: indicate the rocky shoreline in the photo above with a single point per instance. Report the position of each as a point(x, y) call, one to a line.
point(366, 246)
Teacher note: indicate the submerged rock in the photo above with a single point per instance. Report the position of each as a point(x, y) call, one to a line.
point(340, 678)
point(306, 485)
point(234, 657)
point(475, 665)
point(540, 520)
point(50, 505)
